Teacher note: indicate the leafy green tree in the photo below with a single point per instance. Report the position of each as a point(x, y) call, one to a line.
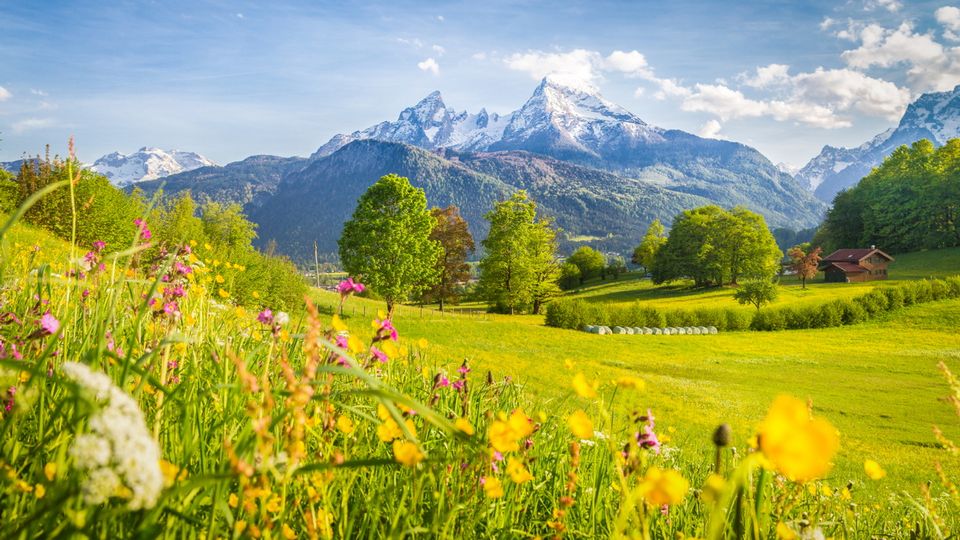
point(712, 246)
point(590, 262)
point(226, 225)
point(519, 269)
point(616, 266)
point(569, 276)
point(653, 240)
point(757, 292)
point(451, 232)
point(387, 241)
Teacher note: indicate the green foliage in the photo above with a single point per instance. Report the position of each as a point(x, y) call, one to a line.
point(590, 262)
point(104, 212)
point(387, 241)
point(757, 292)
point(713, 246)
point(569, 276)
point(645, 254)
point(519, 270)
point(615, 267)
point(908, 203)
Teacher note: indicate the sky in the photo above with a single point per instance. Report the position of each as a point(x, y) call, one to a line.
point(233, 79)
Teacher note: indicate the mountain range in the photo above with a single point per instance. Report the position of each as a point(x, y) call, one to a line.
point(933, 116)
point(598, 170)
point(147, 164)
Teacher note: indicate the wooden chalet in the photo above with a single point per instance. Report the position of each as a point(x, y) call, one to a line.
point(855, 265)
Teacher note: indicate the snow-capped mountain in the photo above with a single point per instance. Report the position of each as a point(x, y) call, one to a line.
point(429, 124)
point(147, 164)
point(934, 116)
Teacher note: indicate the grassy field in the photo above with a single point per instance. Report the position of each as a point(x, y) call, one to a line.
point(876, 381)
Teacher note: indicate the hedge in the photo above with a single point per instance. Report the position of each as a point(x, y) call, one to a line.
point(575, 314)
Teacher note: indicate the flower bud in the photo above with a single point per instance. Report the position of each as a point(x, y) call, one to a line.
point(721, 435)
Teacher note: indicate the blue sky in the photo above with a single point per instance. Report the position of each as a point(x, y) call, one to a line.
point(232, 79)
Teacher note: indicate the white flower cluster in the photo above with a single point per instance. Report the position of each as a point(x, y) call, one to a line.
point(118, 454)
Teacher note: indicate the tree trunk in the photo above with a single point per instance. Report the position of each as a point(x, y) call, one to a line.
point(390, 306)
point(441, 303)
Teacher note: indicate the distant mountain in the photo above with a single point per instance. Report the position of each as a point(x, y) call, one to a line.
point(934, 116)
point(12, 166)
point(249, 182)
point(576, 124)
point(312, 204)
point(147, 164)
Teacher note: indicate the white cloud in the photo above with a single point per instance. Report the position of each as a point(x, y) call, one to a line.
point(239, 15)
point(29, 124)
point(479, 56)
point(577, 66)
point(932, 66)
point(767, 76)
point(440, 18)
point(631, 63)
point(439, 50)
point(844, 89)
point(710, 130)
point(5, 94)
point(37, 92)
point(723, 102)
point(949, 17)
point(889, 5)
point(415, 42)
point(670, 88)
point(430, 65)
point(826, 23)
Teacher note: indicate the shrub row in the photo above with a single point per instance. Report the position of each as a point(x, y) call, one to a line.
point(575, 314)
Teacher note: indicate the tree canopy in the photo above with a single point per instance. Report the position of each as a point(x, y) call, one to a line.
point(910, 202)
point(589, 261)
point(387, 240)
point(450, 230)
point(713, 246)
point(519, 270)
point(653, 240)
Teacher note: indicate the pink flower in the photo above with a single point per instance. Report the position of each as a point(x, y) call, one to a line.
point(99, 245)
point(458, 385)
point(648, 439)
point(265, 317)
point(49, 323)
point(182, 269)
point(145, 233)
point(171, 308)
point(463, 369)
point(349, 286)
point(343, 341)
point(379, 355)
point(443, 382)
point(387, 327)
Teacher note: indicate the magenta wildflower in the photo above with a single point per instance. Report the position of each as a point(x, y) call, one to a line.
point(647, 438)
point(458, 385)
point(99, 245)
point(349, 286)
point(379, 355)
point(386, 327)
point(182, 269)
point(171, 308)
point(343, 341)
point(49, 323)
point(145, 233)
point(265, 317)
point(443, 382)
point(463, 369)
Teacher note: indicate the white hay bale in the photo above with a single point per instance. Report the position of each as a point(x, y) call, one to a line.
point(712, 330)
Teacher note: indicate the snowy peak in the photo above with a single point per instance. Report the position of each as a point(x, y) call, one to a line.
point(147, 163)
point(565, 99)
point(934, 116)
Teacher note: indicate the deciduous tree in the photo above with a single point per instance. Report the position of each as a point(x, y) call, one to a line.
point(590, 262)
point(653, 240)
point(387, 241)
point(804, 261)
point(757, 292)
point(451, 232)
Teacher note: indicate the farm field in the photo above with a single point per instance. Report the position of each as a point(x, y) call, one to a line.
point(876, 381)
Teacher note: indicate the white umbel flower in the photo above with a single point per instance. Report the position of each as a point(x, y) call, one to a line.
point(118, 454)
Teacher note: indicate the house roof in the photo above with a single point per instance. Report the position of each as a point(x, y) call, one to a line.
point(849, 268)
point(854, 255)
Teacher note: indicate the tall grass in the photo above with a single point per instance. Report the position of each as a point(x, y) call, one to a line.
point(270, 427)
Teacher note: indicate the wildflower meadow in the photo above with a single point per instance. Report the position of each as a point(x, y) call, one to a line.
point(142, 400)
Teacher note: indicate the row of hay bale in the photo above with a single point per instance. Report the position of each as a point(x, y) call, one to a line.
point(670, 330)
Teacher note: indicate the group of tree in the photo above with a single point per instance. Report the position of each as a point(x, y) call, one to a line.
point(910, 202)
point(519, 269)
point(587, 263)
point(712, 246)
point(402, 250)
point(106, 213)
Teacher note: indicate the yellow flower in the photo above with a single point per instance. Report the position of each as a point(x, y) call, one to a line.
point(389, 348)
point(337, 323)
point(464, 425)
point(39, 491)
point(505, 433)
point(568, 363)
point(274, 506)
point(492, 487)
point(583, 388)
point(232, 500)
point(422, 343)
point(517, 471)
point(713, 487)
point(581, 425)
point(207, 246)
point(345, 424)
point(800, 447)
point(193, 243)
point(50, 471)
point(255, 294)
point(784, 532)
point(407, 453)
point(239, 526)
point(663, 487)
point(389, 430)
point(171, 472)
point(287, 532)
point(873, 469)
point(630, 382)
point(223, 293)
point(219, 279)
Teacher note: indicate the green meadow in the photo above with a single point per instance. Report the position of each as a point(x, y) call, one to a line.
point(877, 381)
